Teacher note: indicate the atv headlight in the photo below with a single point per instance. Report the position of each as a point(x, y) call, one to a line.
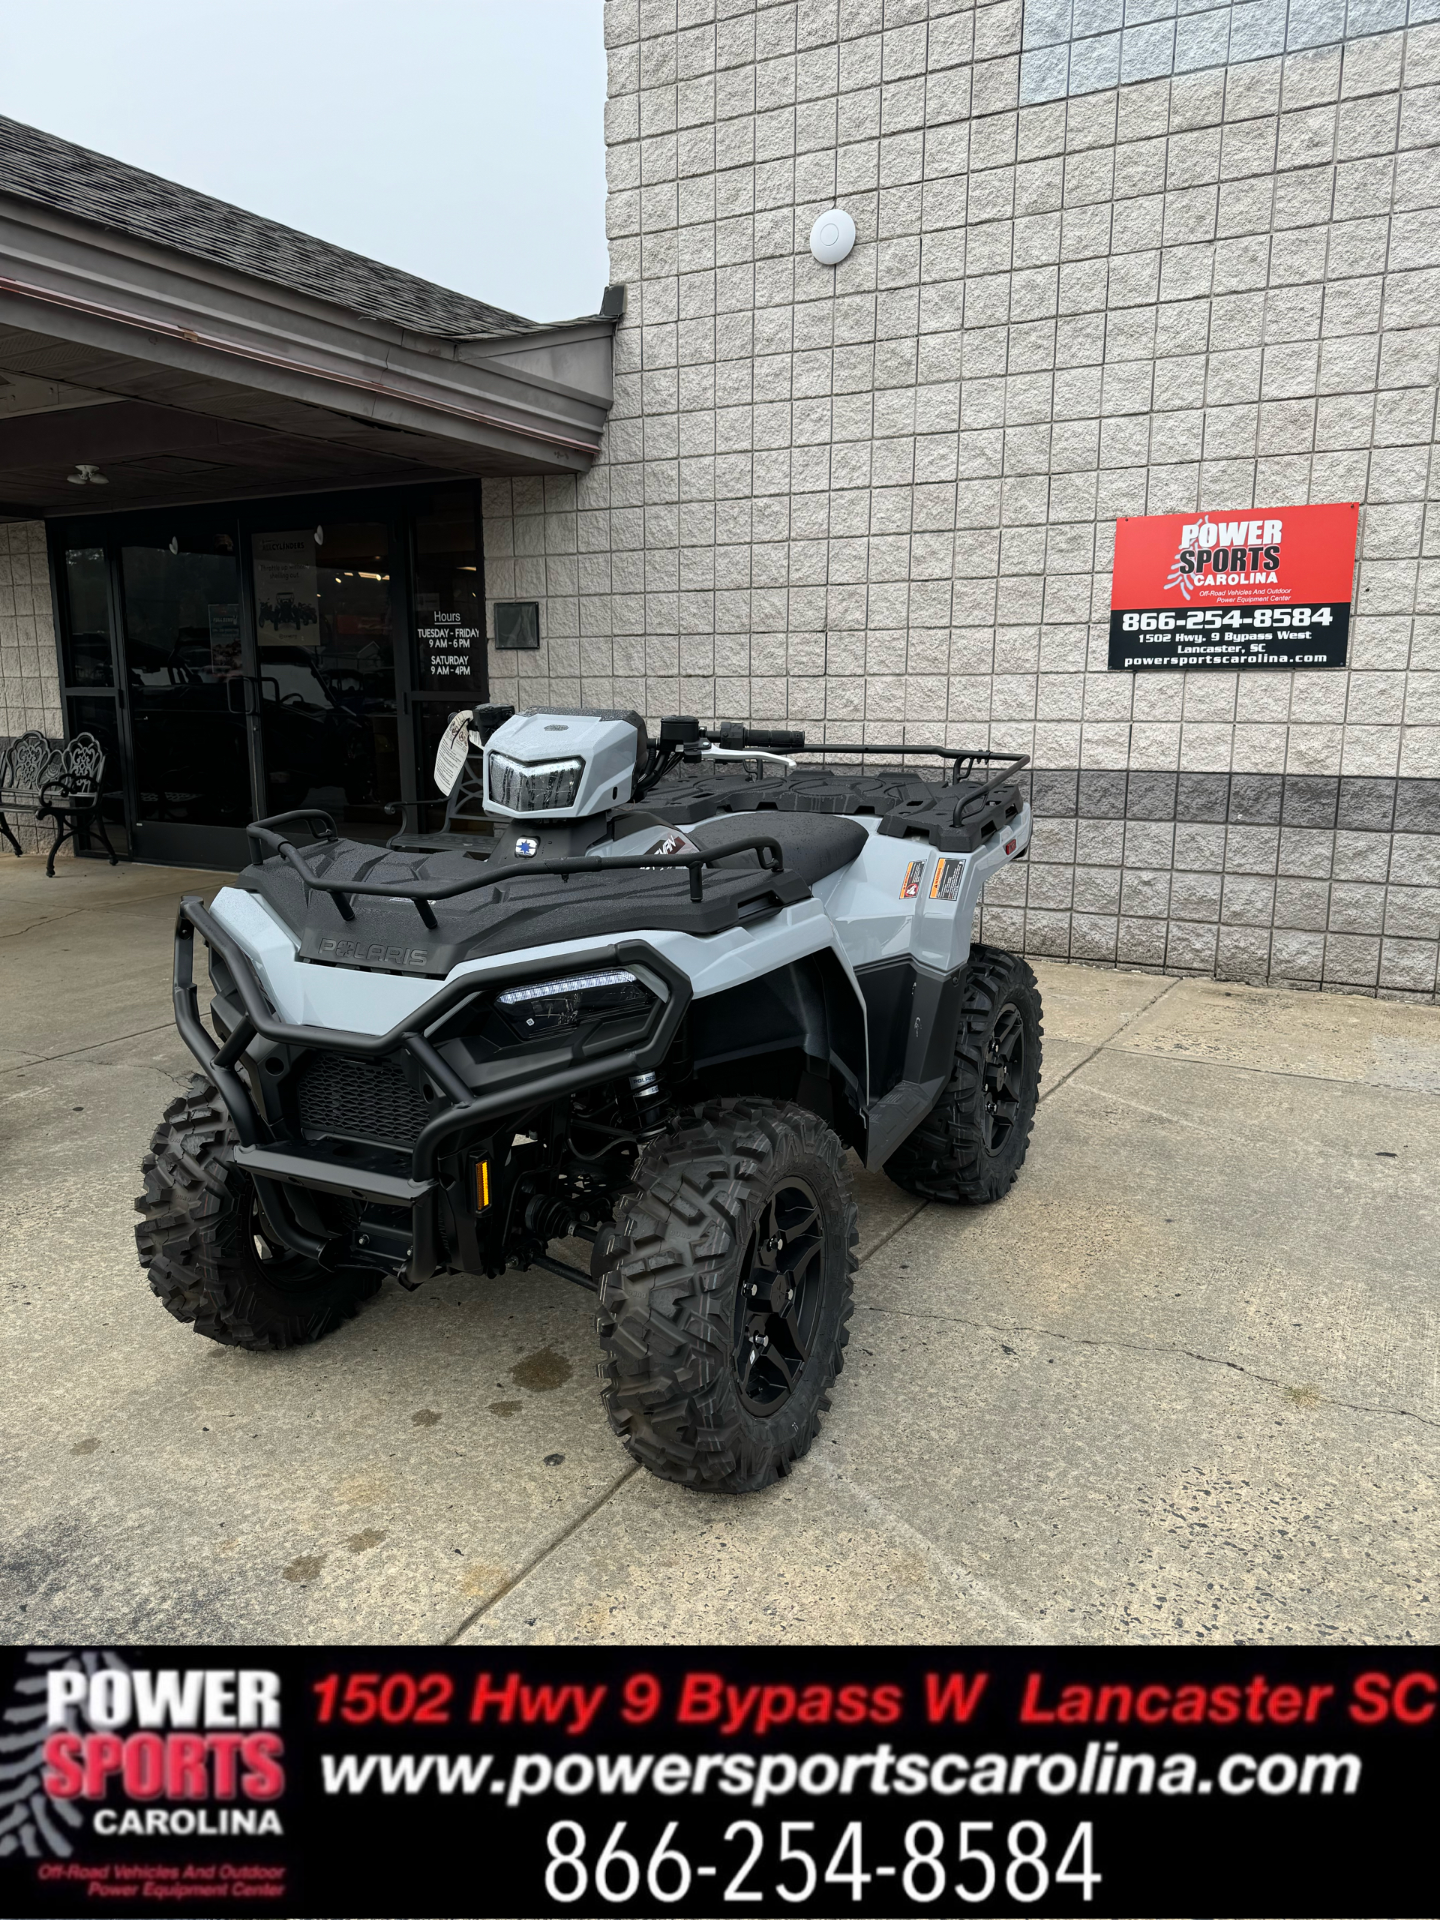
point(534, 789)
point(554, 1006)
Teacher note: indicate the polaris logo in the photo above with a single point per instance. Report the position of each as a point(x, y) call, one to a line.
point(373, 953)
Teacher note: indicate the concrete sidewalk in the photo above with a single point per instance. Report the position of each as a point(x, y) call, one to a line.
point(1179, 1386)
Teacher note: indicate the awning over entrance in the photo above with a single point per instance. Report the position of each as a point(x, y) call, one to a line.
point(188, 351)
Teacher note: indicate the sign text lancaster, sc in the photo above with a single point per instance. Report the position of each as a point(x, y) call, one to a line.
point(1259, 587)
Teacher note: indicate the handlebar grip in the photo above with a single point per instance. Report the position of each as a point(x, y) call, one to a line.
point(734, 736)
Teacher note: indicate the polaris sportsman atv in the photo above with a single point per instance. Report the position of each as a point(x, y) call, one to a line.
point(643, 994)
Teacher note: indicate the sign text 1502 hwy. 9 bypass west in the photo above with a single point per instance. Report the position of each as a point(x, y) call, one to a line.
point(1257, 587)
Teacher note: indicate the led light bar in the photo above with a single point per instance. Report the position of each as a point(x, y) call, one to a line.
point(576, 983)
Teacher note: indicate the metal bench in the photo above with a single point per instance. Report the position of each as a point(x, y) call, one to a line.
point(60, 782)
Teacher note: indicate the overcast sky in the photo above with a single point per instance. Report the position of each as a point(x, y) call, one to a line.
point(460, 139)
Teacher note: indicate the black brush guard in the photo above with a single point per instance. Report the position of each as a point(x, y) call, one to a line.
point(274, 1164)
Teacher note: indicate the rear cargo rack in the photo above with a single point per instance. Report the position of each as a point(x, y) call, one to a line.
point(265, 836)
point(965, 761)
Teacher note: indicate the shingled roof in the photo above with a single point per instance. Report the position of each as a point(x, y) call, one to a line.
point(37, 166)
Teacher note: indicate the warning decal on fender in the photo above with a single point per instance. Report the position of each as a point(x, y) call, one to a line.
point(946, 884)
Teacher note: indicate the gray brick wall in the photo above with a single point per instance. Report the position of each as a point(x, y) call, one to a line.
point(29, 672)
point(884, 495)
point(1083, 46)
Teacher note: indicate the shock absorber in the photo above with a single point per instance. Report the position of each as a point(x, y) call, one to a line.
point(649, 1095)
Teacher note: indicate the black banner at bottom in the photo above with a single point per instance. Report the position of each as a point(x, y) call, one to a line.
point(397, 1781)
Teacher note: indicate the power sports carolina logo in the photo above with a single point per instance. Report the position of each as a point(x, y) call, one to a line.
point(1231, 553)
point(203, 1740)
point(100, 1761)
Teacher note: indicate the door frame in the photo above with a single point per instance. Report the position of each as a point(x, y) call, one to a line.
point(396, 507)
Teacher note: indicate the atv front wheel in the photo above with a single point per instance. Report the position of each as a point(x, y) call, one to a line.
point(972, 1143)
point(724, 1295)
point(210, 1255)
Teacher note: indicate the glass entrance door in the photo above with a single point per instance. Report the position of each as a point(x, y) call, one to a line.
point(449, 598)
point(255, 659)
point(187, 689)
point(326, 621)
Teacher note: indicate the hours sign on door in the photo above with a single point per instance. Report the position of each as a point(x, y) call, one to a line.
point(1254, 587)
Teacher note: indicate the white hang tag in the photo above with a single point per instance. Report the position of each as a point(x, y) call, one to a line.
point(453, 751)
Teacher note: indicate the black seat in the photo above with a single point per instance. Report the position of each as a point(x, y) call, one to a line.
point(813, 844)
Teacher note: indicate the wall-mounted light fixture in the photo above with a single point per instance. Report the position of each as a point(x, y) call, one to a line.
point(86, 475)
point(832, 237)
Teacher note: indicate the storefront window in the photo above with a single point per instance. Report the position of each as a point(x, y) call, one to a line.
point(187, 695)
point(449, 599)
point(87, 640)
point(449, 632)
point(266, 658)
point(325, 627)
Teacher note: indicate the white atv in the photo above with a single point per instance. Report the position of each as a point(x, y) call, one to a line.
point(643, 994)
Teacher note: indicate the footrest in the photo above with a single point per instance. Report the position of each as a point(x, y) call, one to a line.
point(330, 1176)
point(895, 1117)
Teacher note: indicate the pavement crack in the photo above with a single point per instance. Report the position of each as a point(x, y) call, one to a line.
point(93, 1046)
point(1140, 1346)
point(1109, 1040)
point(45, 920)
point(49, 919)
point(886, 1238)
point(552, 1545)
point(1177, 1057)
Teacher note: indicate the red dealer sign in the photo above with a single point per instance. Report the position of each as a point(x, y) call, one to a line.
point(1256, 587)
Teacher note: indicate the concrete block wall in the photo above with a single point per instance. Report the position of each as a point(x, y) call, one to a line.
point(1083, 46)
point(29, 671)
point(884, 495)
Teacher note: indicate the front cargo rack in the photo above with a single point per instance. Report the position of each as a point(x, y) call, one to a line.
point(266, 838)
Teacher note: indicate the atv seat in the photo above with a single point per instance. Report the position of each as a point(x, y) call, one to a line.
point(814, 844)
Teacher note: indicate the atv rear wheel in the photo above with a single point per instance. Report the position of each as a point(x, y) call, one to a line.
point(725, 1293)
point(972, 1143)
point(212, 1258)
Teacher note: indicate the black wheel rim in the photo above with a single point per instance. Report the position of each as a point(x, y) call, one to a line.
point(778, 1301)
point(1003, 1085)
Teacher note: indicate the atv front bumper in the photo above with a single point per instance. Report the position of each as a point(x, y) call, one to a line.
point(278, 1161)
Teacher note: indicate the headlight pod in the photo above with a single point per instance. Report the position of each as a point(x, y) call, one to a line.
point(557, 1006)
point(539, 788)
